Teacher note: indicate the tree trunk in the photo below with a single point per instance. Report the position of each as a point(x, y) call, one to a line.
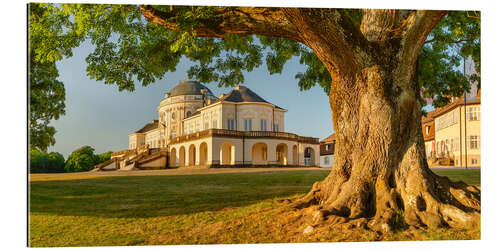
point(380, 171)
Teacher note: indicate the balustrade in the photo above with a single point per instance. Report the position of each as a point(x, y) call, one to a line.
point(247, 134)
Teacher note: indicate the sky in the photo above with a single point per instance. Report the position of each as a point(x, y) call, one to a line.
point(100, 116)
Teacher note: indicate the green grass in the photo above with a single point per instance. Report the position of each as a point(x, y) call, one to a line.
point(469, 176)
point(182, 209)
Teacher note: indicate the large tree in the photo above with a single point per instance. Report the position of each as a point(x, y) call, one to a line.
point(373, 64)
point(50, 39)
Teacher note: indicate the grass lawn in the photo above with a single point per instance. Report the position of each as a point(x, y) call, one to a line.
point(189, 209)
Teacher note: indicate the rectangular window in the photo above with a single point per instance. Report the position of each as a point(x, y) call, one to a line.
point(327, 147)
point(447, 120)
point(427, 128)
point(474, 160)
point(230, 124)
point(473, 141)
point(473, 113)
point(276, 128)
point(248, 124)
point(263, 125)
point(205, 126)
point(214, 124)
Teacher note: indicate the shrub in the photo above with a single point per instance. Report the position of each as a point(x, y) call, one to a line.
point(82, 159)
point(41, 162)
point(104, 157)
point(56, 163)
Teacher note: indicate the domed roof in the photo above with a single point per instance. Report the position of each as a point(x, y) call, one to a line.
point(189, 88)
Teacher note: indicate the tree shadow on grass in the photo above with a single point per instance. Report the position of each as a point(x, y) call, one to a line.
point(152, 196)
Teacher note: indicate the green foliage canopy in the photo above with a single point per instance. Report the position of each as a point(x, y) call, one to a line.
point(452, 40)
point(41, 162)
point(130, 49)
point(104, 157)
point(82, 159)
point(50, 39)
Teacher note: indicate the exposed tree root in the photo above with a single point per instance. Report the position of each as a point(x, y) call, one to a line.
point(417, 199)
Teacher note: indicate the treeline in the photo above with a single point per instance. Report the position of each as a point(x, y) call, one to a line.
point(82, 159)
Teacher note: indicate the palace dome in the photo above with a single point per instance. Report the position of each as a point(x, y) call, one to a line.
point(189, 88)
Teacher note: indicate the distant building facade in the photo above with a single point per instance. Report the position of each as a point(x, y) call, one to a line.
point(237, 129)
point(452, 134)
point(326, 151)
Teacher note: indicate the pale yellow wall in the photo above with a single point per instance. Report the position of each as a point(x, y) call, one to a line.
point(136, 140)
point(152, 138)
point(428, 148)
point(448, 133)
point(254, 111)
point(132, 141)
point(458, 131)
point(187, 145)
point(330, 161)
point(172, 111)
point(243, 150)
point(473, 128)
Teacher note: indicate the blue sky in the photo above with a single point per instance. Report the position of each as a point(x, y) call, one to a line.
point(100, 116)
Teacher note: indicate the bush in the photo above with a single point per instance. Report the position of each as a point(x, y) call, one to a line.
point(82, 159)
point(41, 162)
point(56, 163)
point(104, 157)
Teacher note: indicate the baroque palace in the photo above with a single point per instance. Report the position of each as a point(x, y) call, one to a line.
point(197, 129)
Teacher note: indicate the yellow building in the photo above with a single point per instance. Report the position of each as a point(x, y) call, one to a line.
point(197, 129)
point(452, 134)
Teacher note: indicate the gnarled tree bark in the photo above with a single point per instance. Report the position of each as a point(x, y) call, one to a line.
point(380, 171)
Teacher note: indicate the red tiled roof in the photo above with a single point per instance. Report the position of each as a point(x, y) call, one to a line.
point(330, 138)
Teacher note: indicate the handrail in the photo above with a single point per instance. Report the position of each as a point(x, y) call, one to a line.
point(236, 133)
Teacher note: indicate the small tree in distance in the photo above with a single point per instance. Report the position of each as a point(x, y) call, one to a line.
point(41, 162)
point(82, 159)
point(104, 157)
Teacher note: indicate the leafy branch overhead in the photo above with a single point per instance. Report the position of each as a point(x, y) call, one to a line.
point(221, 41)
point(142, 43)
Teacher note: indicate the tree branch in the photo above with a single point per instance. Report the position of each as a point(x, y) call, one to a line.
point(383, 24)
point(420, 24)
point(332, 35)
point(229, 20)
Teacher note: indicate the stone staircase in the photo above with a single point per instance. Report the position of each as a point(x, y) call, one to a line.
point(141, 158)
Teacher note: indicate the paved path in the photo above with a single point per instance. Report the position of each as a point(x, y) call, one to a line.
point(88, 175)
